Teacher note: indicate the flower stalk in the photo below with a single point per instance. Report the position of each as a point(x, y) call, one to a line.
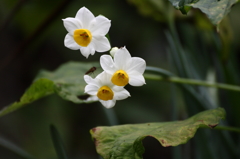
point(164, 75)
point(227, 128)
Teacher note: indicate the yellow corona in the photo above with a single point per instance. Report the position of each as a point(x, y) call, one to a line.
point(105, 93)
point(82, 37)
point(120, 78)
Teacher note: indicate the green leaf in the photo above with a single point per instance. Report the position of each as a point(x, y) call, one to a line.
point(67, 81)
point(40, 88)
point(125, 141)
point(216, 10)
point(15, 149)
point(182, 5)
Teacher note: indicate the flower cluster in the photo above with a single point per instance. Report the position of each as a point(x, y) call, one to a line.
point(87, 33)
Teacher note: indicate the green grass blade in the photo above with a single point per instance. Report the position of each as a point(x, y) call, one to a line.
point(15, 149)
point(57, 142)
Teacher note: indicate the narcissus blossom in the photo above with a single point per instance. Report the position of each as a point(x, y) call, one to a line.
point(87, 33)
point(123, 68)
point(102, 88)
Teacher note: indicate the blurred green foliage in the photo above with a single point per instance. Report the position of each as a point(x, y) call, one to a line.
point(190, 46)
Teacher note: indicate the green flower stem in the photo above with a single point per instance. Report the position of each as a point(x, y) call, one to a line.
point(167, 76)
point(232, 129)
point(111, 116)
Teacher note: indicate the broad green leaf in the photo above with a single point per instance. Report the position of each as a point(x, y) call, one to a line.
point(216, 10)
point(182, 5)
point(67, 81)
point(125, 141)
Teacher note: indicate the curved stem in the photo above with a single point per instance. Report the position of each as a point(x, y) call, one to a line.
point(169, 77)
point(110, 115)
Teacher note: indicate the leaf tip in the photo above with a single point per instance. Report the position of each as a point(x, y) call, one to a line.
point(212, 126)
point(93, 130)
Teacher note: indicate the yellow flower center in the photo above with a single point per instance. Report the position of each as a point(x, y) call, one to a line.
point(105, 93)
point(82, 37)
point(120, 78)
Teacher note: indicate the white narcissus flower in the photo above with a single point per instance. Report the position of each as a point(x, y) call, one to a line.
point(87, 33)
point(123, 68)
point(102, 88)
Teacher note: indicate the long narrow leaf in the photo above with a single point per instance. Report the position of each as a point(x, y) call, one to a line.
point(58, 144)
point(14, 148)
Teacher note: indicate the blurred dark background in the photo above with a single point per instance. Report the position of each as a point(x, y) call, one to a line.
point(31, 39)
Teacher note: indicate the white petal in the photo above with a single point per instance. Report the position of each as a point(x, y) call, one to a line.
point(92, 98)
point(101, 43)
point(91, 48)
point(104, 79)
point(121, 58)
point(137, 64)
point(85, 17)
point(91, 89)
point(70, 43)
point(92, 51)
point(89, 80)
point(136, 79)
point(108, 104)
point(71, 24)
point(120, 95)
point(107, 64)
point(101, 75)
point(86, 51)
point(100, 26)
